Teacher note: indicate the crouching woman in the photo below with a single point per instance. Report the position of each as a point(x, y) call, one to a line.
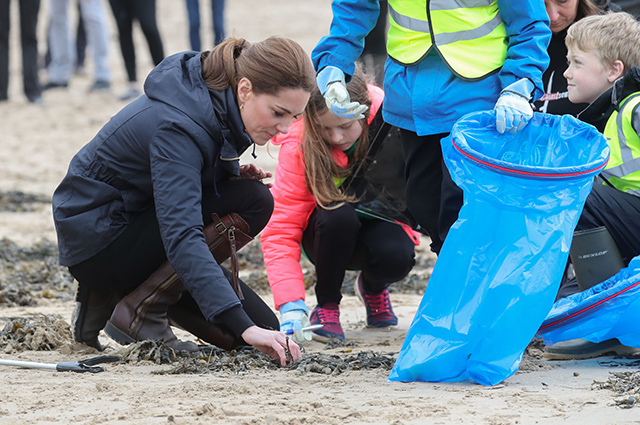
point(159, 189)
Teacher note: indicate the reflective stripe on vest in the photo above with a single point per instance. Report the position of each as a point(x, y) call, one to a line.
point(477, 47)
point(623, 169)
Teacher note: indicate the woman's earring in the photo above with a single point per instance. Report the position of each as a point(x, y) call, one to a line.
point(242, 106)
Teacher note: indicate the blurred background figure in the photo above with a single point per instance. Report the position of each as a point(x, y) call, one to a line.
point(143, 11)
point(63, 51)
point(81, 46)
point(28, 22)
point(193, 11)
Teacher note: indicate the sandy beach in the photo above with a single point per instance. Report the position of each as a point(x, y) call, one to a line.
point(36, 145)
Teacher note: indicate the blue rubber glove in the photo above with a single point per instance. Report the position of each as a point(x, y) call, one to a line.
point(295, 315)
point(513, 110)
point(332, 86)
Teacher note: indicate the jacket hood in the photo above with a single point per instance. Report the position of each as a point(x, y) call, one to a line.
point(177, 82)
point(626, 86)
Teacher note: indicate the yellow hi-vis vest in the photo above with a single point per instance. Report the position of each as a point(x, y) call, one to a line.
point(469, 35)
point(623, 169)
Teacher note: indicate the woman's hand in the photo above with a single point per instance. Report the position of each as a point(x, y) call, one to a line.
point(274, 344)
point(252, 171)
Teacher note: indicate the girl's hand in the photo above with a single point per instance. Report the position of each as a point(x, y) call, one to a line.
point(252, 171)
point(274, 344)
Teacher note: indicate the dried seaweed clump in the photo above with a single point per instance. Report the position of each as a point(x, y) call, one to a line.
point(39, 333)
point(18, 201)
point(28, 274)
point(336, 364)
point(154, 351)
point(245, 359)
point(623, 383)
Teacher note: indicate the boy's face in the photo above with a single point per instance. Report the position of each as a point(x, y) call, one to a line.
point(587, 78)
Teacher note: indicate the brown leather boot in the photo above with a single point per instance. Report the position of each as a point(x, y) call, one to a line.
point(142, 314)
point(90, 315)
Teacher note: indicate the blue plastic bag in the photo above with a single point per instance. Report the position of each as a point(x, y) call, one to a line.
point(608, 310)
point(500, 266)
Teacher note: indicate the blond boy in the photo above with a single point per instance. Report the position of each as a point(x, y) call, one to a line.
point(603, 59)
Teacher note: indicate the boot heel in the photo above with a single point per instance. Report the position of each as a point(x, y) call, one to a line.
point(117, 335)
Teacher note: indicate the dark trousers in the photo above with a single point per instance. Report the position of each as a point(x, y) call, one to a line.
point(28, 22)
point(338, 240)
point(144, 11)
point(193, 12)
point(433, 198)
point(127, 262)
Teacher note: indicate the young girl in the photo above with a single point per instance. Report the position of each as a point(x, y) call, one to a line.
point(314, 212)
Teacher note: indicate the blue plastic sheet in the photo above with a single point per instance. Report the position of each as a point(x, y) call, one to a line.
point(500, 266)
point(608, 310)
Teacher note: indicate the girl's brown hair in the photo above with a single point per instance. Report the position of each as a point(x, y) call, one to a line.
point(271, 65)
point(320, 168)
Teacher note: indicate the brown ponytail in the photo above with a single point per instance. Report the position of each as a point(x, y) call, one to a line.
point(270, 65)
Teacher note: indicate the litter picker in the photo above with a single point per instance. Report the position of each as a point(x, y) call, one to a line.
point(88, 365)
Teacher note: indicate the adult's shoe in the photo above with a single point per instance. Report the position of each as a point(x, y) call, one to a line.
point(100, 85)
point(36, 100)
point(52, 85)
point(577, 349)
point(142, 315)
point(130, 94)
point(90, 315)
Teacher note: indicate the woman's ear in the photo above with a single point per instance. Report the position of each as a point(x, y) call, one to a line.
point(616, 70)
point(244, 90)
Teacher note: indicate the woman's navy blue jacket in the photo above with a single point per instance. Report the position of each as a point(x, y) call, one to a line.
point(159, 151)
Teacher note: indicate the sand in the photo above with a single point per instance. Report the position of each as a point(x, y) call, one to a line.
point(36, 144)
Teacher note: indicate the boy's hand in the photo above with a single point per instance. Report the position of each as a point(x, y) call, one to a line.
point(332, 86)
point(513, 110)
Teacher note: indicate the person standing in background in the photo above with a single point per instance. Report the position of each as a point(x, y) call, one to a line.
point(193, 11)
point(62, 49)
point(144, 11)
point(446, 59)
point(28, 22)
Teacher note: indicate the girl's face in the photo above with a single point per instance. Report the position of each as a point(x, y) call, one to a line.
point(561, 13)
point(266, 115)
point(341, 133)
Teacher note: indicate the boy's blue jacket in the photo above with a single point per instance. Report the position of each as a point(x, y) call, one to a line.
point(160, 151)
point(427, 98)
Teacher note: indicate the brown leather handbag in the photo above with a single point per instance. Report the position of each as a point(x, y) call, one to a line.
point(225, 237)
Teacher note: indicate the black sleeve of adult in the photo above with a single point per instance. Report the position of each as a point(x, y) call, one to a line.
point(236, 319)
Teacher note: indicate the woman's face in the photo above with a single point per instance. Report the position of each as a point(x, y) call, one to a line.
point(561, 13)
point(341, 133)
point(266, 115)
